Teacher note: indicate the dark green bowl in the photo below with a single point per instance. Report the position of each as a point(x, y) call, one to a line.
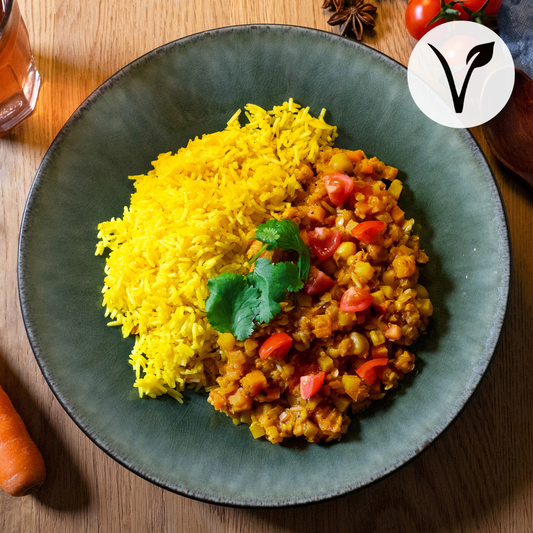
point(193, 86)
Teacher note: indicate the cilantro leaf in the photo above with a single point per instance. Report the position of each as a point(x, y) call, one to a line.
point(289, 235)
point(232, 304)
point(246, 307)
point(285, 234)
point(268, 234)
point(290, 274)
point(272, 281)
point(236, 302)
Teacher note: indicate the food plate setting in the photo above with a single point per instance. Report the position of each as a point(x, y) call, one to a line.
point(194, 86)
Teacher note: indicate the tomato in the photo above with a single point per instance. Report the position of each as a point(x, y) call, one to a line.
point(355, 300)
point(367, 371)
point(324, 241)
point(319, 283)
point(366, 231)
point(491, 9)
point(339, 187)
point(276, 345)
point(311, 384)
point(417, 15)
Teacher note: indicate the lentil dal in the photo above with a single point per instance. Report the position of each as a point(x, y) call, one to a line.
point(353, 322)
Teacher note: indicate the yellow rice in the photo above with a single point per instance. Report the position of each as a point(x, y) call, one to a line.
point(190, 219)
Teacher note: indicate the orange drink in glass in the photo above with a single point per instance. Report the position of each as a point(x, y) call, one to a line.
point(19, 78)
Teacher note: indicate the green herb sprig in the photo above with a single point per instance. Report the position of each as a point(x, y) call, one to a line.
point(238, 302)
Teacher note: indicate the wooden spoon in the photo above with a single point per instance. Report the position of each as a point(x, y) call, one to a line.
point(510, 133)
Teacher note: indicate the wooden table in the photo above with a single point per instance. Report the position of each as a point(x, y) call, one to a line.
point(477, 477)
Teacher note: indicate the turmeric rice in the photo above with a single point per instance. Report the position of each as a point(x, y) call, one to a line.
point(190, 219)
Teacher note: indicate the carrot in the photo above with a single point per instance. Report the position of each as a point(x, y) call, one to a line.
point(216, 399)
point(317, 213)
point(253, 382)
point(367, 168)
point(378, 352)
point(355, 156)
point(21, 464)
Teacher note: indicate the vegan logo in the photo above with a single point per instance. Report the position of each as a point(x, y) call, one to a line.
point(461, 74)
point(484, 55)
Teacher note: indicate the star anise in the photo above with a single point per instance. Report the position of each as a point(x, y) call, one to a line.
point(356, 15)
point(333, 5)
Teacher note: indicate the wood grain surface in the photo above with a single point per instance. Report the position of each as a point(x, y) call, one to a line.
point(478, 477)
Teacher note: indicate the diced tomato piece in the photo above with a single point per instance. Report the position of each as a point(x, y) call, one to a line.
point(366, 231)
point(324, 241)
point(318, 283)
point(276, 345)
point(339, 187)
point(368, 371)
point(355, 300)
point(311, 384)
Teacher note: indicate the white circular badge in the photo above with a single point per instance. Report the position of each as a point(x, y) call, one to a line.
point(461, 74)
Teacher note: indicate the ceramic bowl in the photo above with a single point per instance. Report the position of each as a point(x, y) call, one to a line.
point(193, 86)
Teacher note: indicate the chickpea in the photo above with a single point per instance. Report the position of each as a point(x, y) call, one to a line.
point(250, 347)
point(421, 291)
point(360, 343)
point(344, 251)
point(340, 162)
point(375, 251)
